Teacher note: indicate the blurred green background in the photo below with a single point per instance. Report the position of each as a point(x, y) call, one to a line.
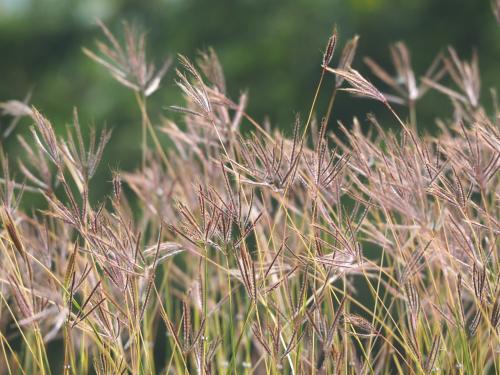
point(273, 49)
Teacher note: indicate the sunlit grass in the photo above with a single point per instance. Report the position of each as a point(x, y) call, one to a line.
point(315, 252)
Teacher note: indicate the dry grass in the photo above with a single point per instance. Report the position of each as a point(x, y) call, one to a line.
point(259, 253)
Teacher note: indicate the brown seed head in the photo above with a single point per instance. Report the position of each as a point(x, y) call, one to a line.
point(330, 48)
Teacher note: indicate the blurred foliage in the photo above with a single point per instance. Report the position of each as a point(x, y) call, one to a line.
point(272, 49)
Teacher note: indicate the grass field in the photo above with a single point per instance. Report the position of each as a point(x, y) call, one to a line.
point(238, 248)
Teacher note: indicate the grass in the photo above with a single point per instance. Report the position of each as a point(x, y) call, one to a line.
point(257, 252)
